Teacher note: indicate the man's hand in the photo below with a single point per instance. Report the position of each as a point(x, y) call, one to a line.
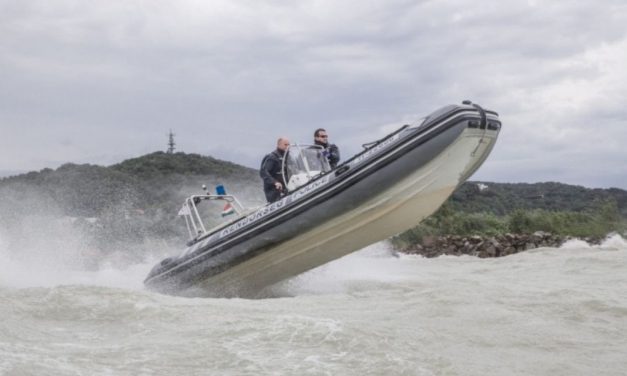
point(278, 186)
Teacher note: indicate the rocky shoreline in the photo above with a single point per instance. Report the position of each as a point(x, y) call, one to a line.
point(484, 247)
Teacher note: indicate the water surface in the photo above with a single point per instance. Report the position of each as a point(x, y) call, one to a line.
point(543, 312)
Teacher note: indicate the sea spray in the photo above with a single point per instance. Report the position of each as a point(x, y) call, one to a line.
point(57, 254)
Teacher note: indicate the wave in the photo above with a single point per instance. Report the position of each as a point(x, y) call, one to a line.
point(612, 241)
point(376, 266)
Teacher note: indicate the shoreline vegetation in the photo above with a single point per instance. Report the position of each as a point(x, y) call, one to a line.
point(455, 232)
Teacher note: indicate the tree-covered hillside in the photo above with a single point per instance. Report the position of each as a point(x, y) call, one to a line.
point(148, 182)
point(504, 198)
point(162, 165)
point(120, 205)
point(134, 203)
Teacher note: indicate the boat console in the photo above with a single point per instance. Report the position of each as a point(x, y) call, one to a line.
point(302, 163)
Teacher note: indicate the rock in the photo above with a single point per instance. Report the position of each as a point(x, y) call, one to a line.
point(416, 249)
point(495, 246)
point(530, 245)
point(475, 239)
point(508, 251)
point(428, 241)
point(491, 251)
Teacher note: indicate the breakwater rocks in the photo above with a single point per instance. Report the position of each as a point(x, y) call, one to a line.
point(482, 246)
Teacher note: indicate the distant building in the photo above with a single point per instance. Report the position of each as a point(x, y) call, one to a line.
point(482, 187)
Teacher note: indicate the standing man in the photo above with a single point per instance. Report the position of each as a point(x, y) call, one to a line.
point(331, 151)
point(271, 171)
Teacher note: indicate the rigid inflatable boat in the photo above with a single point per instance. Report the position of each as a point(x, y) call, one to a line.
point(389, 187)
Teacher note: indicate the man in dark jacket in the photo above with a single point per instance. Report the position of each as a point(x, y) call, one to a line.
point(271, 171)
point(331, 151)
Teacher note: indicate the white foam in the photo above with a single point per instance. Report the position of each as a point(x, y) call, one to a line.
point(49, 259)
point(575, 244)
point(17, 274)
point(375, 264)
point(614, 241)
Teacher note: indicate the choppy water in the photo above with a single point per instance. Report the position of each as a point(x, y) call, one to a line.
point(544, 312)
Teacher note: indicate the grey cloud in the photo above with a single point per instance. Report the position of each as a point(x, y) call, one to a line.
point(230, 76)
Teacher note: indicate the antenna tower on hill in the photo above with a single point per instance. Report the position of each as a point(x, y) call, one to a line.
point(171, 142)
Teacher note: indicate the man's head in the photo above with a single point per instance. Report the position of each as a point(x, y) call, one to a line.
point(321, 136)
point(282, 143)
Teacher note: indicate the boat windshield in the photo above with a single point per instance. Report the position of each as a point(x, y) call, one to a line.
point(302, 163)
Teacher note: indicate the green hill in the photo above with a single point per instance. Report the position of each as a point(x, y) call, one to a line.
point(132, 204)
point(161, 165)
point(504, 198)
point(122, 205)
point(150, 181)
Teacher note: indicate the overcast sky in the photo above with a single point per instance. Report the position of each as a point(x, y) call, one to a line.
point(102, 81)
